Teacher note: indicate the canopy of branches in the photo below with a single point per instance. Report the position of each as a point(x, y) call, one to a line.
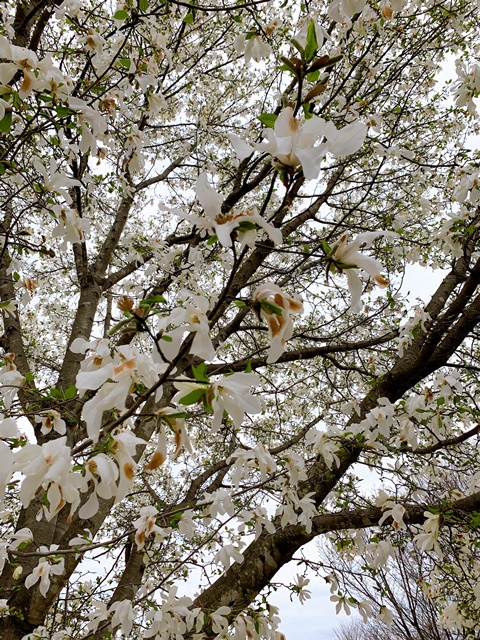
point(208, 209)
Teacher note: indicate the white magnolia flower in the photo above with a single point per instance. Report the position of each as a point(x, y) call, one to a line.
point(51, 420)
point(232, 394)
point(48, 466)
point(428, 540)
point(245, 224)
point(293, 143)
point(129, 367)
point(227, 554)
point(55, 181)
point(123, 615)
point(254, 48)
point(71, 227)
point(193, 317)
point(98, 615)
point(124, 450)
point(145, 525)
point(21, 537)
point(103, 473)
point(46, 567)
point(299, 587)
point(275, 307)
point(345, 258)
point(219, 620)
point(11, 381)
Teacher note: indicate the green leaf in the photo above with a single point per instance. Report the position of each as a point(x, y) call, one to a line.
point(121, 14)
point(6, 122)
point(189, 18)
point(212, 240)
point(240, 304)
point(245, 225)
point(29, 376)
point(193, 397)
point(64, 112)
point(70, 392)
point(306, 111)
point(313, 76)
point(298, 46)
point(271, 308)
point(125, 63)
point(167, 338)
point(326, 247)
point(268, 119)
point(143, 5)
point(248, 368)
point(200, 372)
point(312, 44)
point(55, 393)
point(16, 276)
point(154, 300)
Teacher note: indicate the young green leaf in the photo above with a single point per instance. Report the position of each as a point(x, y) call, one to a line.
point(312, 44)
point(268, 119)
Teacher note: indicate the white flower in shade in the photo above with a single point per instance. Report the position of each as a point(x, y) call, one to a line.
point(193, 317)
point(177, 425)
point(98, 615)
point(123, 615)
point(232, 394)
point(48, 466)
point(124, 450)
point(345, 258)
point(71, 227)
point(299, 588)
point(51, 420)
point(244, 225)
point(103, 473)
point(428, 540)
point(396, 512)
point(9, 307)
point(129, 367)
point(145, 525)
point(21, 537)
point(46, 567)
point(275, 307)
point(11, 381)
point(254, 48)
point(219, 620)
point(55, 181)
point(344, 10)
point(226, 554)
point(293, 143)
point(6, 467)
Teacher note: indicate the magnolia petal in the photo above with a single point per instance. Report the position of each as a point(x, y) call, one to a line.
point(351, 7)
point(210, 200)
point(286, 125)
point(9, 429)
point(347, 140)
point(241, 148)
point(202, 346)
point(90, 508)
point(7, 71)
point(311, 159)
point(273, 233)
point(356, 288)
point(6, 465)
